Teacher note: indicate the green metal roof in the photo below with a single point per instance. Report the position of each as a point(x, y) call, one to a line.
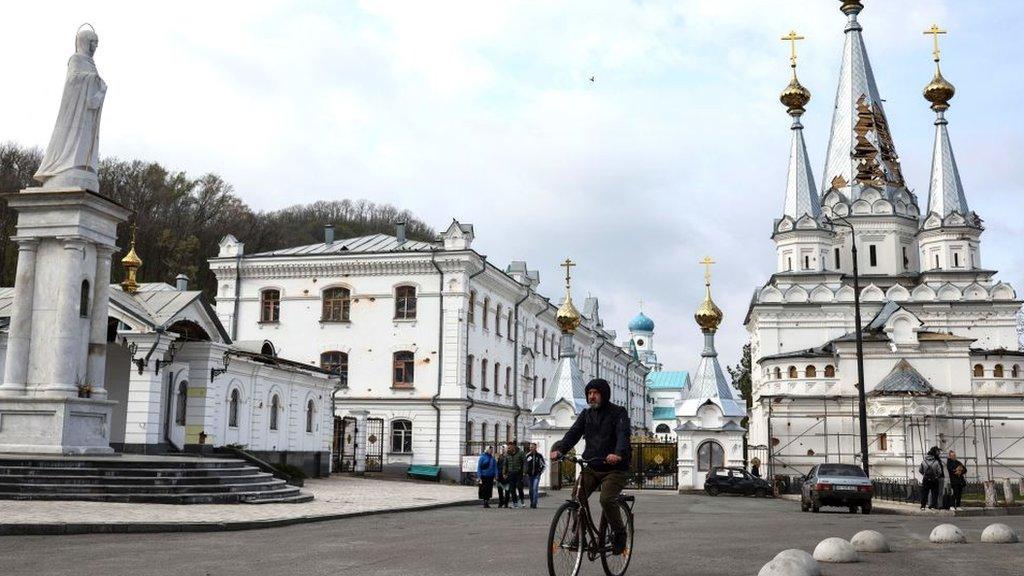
point(668, 380)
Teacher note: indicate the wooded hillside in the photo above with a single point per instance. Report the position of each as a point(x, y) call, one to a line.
point(181, 219)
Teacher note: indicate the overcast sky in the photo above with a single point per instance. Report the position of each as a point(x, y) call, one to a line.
point(483, 111)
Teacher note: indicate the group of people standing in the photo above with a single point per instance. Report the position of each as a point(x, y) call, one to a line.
point(507, 471)
point(933, 473)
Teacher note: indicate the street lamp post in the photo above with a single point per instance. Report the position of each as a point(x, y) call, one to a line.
point(862, 408)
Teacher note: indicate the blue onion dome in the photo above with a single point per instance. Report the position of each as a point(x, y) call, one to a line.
point(641, 323)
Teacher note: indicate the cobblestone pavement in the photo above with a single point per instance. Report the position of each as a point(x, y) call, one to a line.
point(334, 496)
point(689, 535)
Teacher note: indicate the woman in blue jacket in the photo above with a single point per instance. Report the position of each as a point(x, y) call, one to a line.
point(486, 470)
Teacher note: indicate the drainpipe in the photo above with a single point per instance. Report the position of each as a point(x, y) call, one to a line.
point(515, 366)
point(629, 395)
point(238, 295)
point(469, 395)
point(440, 355)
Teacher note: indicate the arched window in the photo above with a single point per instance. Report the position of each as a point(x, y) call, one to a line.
point(469, 431)
point(483, 433)
point(536, 336)
point(662, 429)
point(792, 372)
point(483, 375)
point(337, 363)
point(497, 431)
point(401, 436)
point(543, 386)
point(979, 371)
point(810, 372)
point(1015, 371)
point(405, 303)
point(509, 328)
point(535, 390)
point(544, 344)
point(497, 373)
point(778, 373)
point(275, 408)
point(403, 363)
point(471, 309)
point(830, 371)
point(497, 319)
point(310, 416)
point(181, 403)
point(997, 372)
point(710, 455)
point(270, 306)
point(508, 380)
point(469, 372)
point(508, 432)
point(336, 305)
point(483, 311)
point(233, 409)
point(83, 300)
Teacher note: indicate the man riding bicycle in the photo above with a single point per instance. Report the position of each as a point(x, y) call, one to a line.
point(605, 427)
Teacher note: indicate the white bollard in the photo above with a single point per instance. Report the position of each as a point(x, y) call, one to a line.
point(869, 541)
point(947, 534)
point(1007, 492)
point(990, 494)
point(802, 558)
point(835, 550)
point(999, 534)
point(784, 567)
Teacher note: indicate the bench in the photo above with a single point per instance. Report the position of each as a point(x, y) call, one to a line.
point(424, 472)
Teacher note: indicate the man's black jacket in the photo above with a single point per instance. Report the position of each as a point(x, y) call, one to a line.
point(606, 431)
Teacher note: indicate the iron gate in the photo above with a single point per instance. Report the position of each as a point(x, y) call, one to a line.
point(654, 466)
point(345, 434)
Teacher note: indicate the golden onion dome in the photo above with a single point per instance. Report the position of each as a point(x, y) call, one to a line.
point(939, 92)
point(795, 97)
point(568, 317)
point(131, 259)
point(708, 315)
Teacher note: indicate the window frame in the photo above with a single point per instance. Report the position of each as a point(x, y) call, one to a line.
point(706, 460)
point(403, 369)
point(270, 306)
point(336, 304)
point(181, 404)
point(234, 399)
point(310, 415)
point(401, 430)
point(275, 407)
point(336, 367)
point(405, 305)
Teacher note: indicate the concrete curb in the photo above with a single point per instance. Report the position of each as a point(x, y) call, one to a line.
point(904, 509)
point(62, 529)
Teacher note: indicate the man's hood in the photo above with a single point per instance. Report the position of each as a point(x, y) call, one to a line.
point(602, 386)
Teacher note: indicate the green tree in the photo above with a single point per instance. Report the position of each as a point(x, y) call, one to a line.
point(741, 378)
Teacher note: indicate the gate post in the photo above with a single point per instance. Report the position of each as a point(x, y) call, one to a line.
point(359, 442)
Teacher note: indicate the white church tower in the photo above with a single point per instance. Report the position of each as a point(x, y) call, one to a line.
point(641, 333)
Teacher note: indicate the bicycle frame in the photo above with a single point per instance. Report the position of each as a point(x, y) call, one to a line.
point(592, 539)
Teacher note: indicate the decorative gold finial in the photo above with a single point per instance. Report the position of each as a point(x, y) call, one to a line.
point(568, 317)
point(708, 316)
point(939, 91)
point(131, 263)
point(795, 96)
point(851, 7)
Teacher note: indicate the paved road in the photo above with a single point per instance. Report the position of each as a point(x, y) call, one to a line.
point(684, 535)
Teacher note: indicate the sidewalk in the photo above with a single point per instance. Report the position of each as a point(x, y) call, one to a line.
point(335, 497)
point(910, 509)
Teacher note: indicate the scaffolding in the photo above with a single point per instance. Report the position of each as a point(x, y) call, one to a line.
point(992, 446)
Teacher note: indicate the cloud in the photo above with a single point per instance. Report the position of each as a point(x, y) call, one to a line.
point(484, 111)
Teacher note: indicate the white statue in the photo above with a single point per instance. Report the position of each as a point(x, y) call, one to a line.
point(72, 157)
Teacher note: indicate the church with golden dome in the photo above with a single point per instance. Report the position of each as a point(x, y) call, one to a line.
point(942, 365)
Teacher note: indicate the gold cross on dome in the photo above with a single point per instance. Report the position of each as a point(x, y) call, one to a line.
point(935, 31)
point(568, 264)
point(792, 37)
point(707, 262)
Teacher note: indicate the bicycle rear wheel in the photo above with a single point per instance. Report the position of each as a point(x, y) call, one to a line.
point(565, 541)
point(616, 564)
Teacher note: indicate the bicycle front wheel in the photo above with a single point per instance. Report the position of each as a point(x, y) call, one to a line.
point(565, 541)
point(616, 564)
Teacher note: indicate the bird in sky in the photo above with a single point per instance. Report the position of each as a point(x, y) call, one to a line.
point(592, 78)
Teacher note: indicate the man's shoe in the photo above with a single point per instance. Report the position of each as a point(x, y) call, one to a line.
point(619, 542)
point(487, 505)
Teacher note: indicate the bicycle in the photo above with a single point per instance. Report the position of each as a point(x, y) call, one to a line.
point(573, 533)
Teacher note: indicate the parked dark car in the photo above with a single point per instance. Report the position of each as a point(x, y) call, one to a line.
point(722, 480)
point(843, 485)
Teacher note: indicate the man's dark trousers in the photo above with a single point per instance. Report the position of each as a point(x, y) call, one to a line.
point(612, 482)
point(930, 493)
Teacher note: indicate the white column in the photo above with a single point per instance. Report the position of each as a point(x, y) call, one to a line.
point(360, 441)
point(20, 333)
point(97, 362)
point(67, 347)
point(147, 392)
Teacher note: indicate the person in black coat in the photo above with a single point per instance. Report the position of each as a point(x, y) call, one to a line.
point(605, 426)
point(957, 479)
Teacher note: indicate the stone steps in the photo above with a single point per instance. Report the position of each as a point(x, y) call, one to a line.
point(142, 479)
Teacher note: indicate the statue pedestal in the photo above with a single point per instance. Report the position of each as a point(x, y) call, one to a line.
point(55, 425)
point(56, 344)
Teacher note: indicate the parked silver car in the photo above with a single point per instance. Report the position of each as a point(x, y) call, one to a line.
point(836, 485)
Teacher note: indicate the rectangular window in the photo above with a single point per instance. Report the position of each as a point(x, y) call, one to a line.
point(483, 375)
point(807, 262)
point(336, 305)
point(936, 261)
point(906, 259)
point(883, 442)
point(872, 255)
point(469, 372)
point(404, 370)
point(838, 263)
point(405, 303)
point(471, 310)
point(956, 259)
point(270, 306)
point(497, 373)
point(789, 264)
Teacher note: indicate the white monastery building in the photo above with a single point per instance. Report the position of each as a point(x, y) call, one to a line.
point(438, 350)
point(942, 363)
